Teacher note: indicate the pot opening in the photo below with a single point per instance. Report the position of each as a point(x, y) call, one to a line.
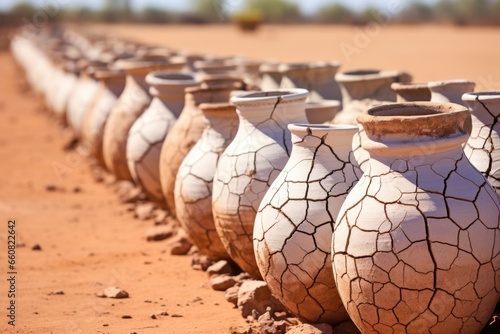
point(361, 72)
point(407, 110)
point(173, 76)
point(268, 94)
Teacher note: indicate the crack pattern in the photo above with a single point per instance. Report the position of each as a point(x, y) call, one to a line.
point(250, 164)
point(416, 247)
point(193, 186)
point(294, 225)
point(184, 135)
point(482, 148)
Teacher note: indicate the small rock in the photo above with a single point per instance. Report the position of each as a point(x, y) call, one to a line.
point(200, 262)
point(175, 315)
point(164, 313)
point(255, 295)
point(269, 326)
point(231, 295)
point(160, 216)
point(219, 268)
point(56, 293)
point(346, 327)
point(153, 316)
point(128, 192)
point(144, 211)
point(50, 187)
point(105, 325)
point(222, 283)
point(77, 190)
point(160, 232)
point(180, 245)
point(304, 329)
point(36, 247)
point(71, 144)
point(113, 292)
point(126, 317)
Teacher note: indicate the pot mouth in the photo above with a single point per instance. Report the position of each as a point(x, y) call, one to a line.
point(151, 61)
point(272, 96)
point(298, 127)
point(416, 119)
point(207, 88)
point(324, 64)
point(368, 74)
point(482, 96)
point(170, 78)
point(269, 67)
point(109, 74)
point(217, 107)
point(445, 83)
point(293, 66)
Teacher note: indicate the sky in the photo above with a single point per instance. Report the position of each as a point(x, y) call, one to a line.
point(307, 6)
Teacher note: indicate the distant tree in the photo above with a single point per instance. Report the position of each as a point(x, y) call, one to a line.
point(22, 9)
point(416, 12)
point(209, 10)
point(335, 13)
point(275, 10)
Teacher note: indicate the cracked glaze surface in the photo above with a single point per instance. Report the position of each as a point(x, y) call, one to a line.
point(193, 186)
point(416, 247)
point(184, 135)
point(294, 225)
point(147, 134)
point(483, 146)
point(250, 164)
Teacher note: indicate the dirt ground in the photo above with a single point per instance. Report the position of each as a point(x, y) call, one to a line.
point(90, 241)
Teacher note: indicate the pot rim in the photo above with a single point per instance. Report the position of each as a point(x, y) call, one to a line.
point(171, 78)
point(322, 104)
point(303, 127)
point(493, 95)
point(366, 74)
point(271, 96)
point(432, 119)
point(399, 86)
point(454, 82)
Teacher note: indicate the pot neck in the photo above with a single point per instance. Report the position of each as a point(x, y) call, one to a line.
point(221, 118)
point(322, 141)
point(450, 91)
point(375, 85)
point(194, 96)
point(484, 105)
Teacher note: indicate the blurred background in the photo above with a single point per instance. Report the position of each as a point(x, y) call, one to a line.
point(358, 12)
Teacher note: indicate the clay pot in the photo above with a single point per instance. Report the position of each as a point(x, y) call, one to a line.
point(83, 95)
point(65, 86)
point(270, 76)
point(317, 77)
point(483, 145)
point(147, 134)
point(250, 164)
point(411, 92)
point(111, 85)
point(216, 66)
point(293, 228)
point(452, 91)
point(129, 106)
point(414, 246)
point(184, 135)
point(322, 111)
point(363, 89)
point(193, 185)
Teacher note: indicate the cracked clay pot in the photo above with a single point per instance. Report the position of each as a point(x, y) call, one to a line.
point(193, 185)
point(294, 225)
point(416, 246)
point(111, 84)
point(134, 99)
point(147, 134)
point(250, 164)
point(483, 146)
point(184, 135)
point(363, 89)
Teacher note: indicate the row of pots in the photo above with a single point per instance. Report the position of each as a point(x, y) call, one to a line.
point(416, 235)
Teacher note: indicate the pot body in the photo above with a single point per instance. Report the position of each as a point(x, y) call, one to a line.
point(415, 248)
point(482, 148)
point(294, 224)
point(147, 134)
point(183, 136)
point(80, 100)
point(193, 185)
point(250, 164)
